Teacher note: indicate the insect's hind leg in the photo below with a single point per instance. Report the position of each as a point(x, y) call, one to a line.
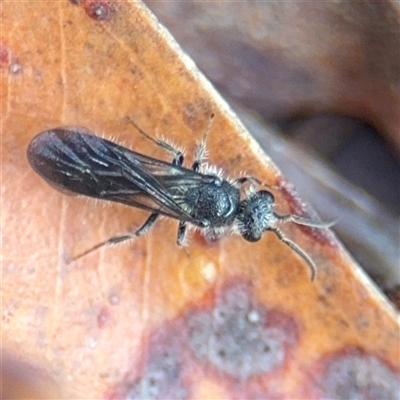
point(178, 155)
point(201, 151)
point(148, 224)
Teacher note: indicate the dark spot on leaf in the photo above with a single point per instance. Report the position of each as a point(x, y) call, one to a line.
point(238, 336)
point(103, 317)
point(5, 55)
point(99, 10)
point(159, 372)
point(354, 374)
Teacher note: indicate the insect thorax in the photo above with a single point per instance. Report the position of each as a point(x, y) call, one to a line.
point(213, 204)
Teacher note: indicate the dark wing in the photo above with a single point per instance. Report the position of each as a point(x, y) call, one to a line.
point(75, 160)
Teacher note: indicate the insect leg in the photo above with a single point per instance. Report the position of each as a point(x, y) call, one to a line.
point(244, 179)
point(181, 233)
point(178, 155)
point(201, 151)
point(198, 159)
point(148, 224)
point(297, 250)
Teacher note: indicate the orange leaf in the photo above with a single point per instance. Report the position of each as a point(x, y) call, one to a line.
point(221, 319)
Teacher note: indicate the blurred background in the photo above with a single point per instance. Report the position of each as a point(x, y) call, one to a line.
point(318, 85)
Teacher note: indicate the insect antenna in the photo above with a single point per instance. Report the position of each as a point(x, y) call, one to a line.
point(297, 250)
point(300, 221)
point(303, 221)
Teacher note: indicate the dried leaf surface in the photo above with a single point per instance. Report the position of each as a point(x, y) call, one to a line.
point(222, 319)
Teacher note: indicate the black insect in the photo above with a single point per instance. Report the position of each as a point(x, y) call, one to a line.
point(73, 159)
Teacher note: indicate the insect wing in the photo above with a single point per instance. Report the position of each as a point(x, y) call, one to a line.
point(75, 160)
